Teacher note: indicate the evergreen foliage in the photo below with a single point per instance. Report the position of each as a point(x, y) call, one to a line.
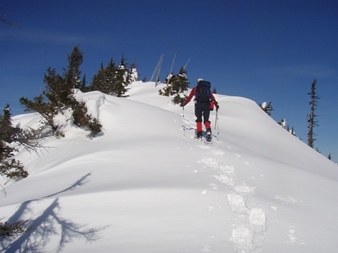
point(133, 75)
point(73, 73)
point(177, 85)
point(9, 167)
point(114, 80)
point(58, 95)
point(312, 122)
point(83, 85)
point(83, 119)
point(283, 123)
point(266, 107)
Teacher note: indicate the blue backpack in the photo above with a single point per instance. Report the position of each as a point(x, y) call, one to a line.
point(203, 91)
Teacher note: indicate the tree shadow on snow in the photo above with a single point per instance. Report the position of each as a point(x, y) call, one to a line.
point(48, 224)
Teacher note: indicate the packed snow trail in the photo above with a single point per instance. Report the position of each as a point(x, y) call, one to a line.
point(249, 227)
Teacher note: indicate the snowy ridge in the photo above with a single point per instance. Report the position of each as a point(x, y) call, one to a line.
point(146, 185)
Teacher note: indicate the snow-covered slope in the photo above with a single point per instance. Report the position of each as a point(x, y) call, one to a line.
point(146, 185)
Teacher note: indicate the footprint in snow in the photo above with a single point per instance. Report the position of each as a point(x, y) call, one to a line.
point(228, 169)
point(249, 237)
point(257, 220)
point(244, 190)
point(237, 203)
point(211, 162)
point(292, 236)
point(226, 180)
point(242, 239)
point(217, 152)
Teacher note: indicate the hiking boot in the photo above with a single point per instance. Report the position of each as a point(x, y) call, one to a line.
point(199, 134)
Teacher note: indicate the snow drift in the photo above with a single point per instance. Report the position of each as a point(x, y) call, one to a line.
point(146, 185)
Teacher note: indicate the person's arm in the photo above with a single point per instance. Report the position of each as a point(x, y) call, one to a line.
point(214, 99)
point(187, 100)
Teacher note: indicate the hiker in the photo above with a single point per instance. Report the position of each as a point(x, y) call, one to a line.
point(204, 102)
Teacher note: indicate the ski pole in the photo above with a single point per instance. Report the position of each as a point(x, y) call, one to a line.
point(183, 121)
point(216, 122)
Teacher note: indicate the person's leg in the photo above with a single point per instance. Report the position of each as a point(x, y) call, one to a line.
point(198, 114)
point(206, 114)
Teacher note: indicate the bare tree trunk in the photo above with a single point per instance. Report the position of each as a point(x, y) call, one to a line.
point(311, 117)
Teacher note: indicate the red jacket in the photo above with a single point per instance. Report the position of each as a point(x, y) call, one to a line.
point(193, 92)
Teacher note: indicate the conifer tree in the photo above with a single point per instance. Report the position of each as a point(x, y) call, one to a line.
point(122, 79)
point(266, 107)
point(312, 122)
point(73, 72)
point(112, 80)
point(101, 81)
point(9, 167)
point(57, 90)
point(133, 75)
point(178, 85)
point(6, 125)
point(59, 94)
point(83, 85)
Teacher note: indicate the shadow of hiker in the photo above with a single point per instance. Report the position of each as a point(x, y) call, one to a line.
point(47, 225)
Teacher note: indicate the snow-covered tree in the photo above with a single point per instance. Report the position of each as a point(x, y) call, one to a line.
point(266, 107)
point(283, 123)
point(177, 85)
point(122, 79)
point(133, 74)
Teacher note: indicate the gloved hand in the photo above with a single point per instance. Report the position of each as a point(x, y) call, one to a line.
point(217, 107)
point(182, 104)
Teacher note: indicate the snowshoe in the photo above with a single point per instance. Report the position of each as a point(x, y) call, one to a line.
point(208, 135)
point(198, 135)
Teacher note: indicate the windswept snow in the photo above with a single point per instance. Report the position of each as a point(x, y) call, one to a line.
point(146, 185)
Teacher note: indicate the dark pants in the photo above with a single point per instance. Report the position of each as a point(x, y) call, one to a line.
point(202, 109)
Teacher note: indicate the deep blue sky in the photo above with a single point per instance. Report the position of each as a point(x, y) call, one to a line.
point(262, 50)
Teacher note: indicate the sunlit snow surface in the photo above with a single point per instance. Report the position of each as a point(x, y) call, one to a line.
point(145, 185)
